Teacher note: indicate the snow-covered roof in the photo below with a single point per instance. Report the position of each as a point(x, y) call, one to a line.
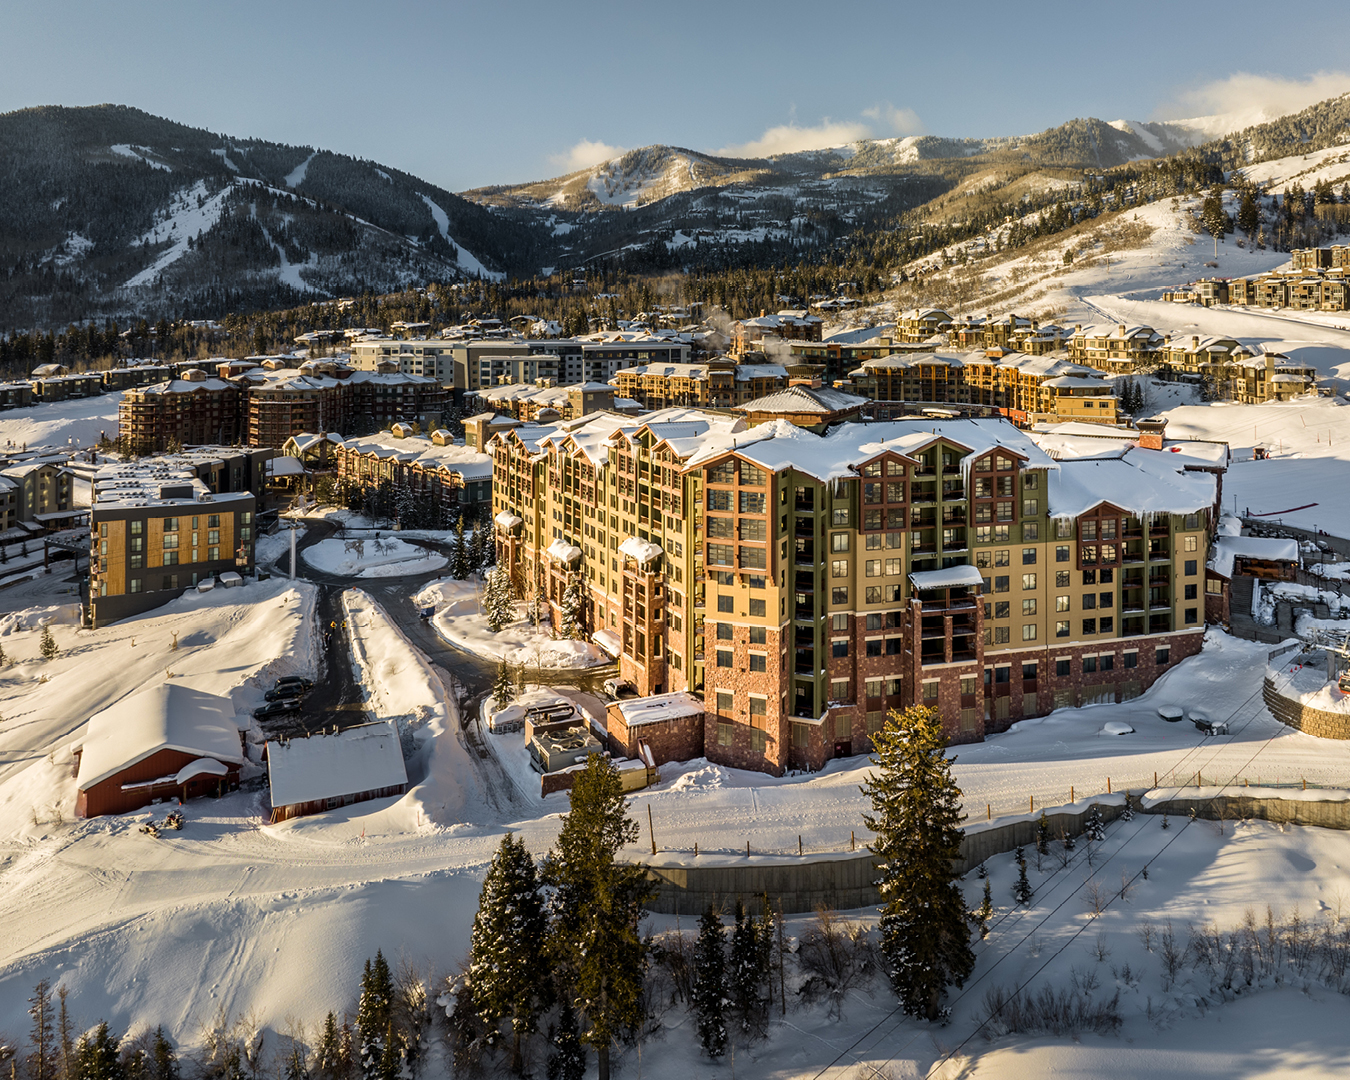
point(563, 551)
point(949, 578)
point(169, 716)
point(650, 710)
point(642, 550)
point(508, 520)
point(362, 758)
point(1267, 549)
point(908, 360)
point(609, 641)
point(286, 466)
point(804, 399)
point(1141, 482)
point(452, 458)
point(1077, 382)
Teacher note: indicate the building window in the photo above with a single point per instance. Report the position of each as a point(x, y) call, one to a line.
point(1131, 659)
point(1028, 581)
point(720, 555)
point(1106, 626)
point(725, 733)
point(1028, 631)
point(137, 527)
point(725, 604)
point(170, 541)
point(1062, 553)
point(1190, 567)
point(839, 595)
point(875, 594)
point(724, 631)
point(1030, 507)
point(1002, 609)
point(872, 568)
point(839, 568)
point(1163, 656)
point(1089, 601)
point(134, 585)
point(724, 658)
point(1029, 606)
point(758, 662)
point(1031, 531)
point(170, 558)
point(839, 541)
point(1062, 603)
point(1191, 543)
point(1062, 668)
point(725, 705)
point(171, 524)
point(1029, 556)
point(1089, 664)
point(801, 737)
point(930, 690)
point(757, 608)
point(837, 622)
point(1191, 617)
point(213, 553)
point(1062, 628)
point(839, 647)
point(1002, 635)
point(1089, 626)
point(1191, 591)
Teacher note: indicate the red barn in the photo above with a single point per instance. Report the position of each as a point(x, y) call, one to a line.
point(167, 742)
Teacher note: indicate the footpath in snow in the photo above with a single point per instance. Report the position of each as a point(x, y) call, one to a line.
point(370, 557)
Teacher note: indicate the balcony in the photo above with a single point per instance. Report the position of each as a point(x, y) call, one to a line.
point(804, 611)
point(805, 663)
point(805, 502)
point(806, 527)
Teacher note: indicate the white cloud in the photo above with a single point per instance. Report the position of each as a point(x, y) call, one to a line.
point(1252, 99)
point(584, 154)
point(792, 139)
point(897, 121)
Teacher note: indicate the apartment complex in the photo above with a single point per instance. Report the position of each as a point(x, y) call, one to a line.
point(1026, 389)
point(721, 383)
point(749, 335)
point(1302, 290)
point(804, 584)
point(156, 529)
point(435, 470)
point(265, 408)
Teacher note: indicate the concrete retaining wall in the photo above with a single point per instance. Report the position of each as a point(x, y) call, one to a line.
point(1324, 814)
point(842, 883)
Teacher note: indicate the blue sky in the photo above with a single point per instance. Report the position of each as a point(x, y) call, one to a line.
point(473, 94)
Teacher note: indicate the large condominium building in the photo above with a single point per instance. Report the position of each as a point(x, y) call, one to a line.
point(1117, 349)
point(194, 408)
point(804, 584)
point(156, 530)
point(437, 472)
point(721, 383)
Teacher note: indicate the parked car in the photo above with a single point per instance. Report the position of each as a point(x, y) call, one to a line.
point(1343, 683)
point(296, 684)
point(283, 707)
point(619, 688)
point(284, 693)
point(1207, 726)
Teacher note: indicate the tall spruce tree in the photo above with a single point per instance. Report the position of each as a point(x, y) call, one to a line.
point(710, 983)
point(460, 567)
point(507, 964)
point(373, 1012)
point(503, 689)
point(567, 1059)
point(597, 906)
point(47, 646)
point(96, 1056)
point(747, 971)
point(499, 606)
point(326, 1053)
point(574, 609)
point(163, 1058)
point(916, 820)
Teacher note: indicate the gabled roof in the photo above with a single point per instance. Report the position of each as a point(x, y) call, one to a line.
point(170, 716)
point(804, 399)
point(358, 759)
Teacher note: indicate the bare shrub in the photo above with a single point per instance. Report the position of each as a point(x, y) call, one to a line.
point(834, 957)
point(1146, 935)
point(1049, 1012)
point(1171, 955)
point(674, 951)
point(1095, 896)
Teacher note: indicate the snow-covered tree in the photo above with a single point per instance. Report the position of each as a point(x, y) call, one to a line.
point(574, 609)
point(48, 647)
point(499, 606)
point(460, 567)
point(982, 914)
point(1094, 828)
point(163, 1063)
point(325, 1060)
point(506, 956)
point(96, 1056)
point(1043, 835)
point(567, 1059)
point(710, 988)
point(1022, 888)
point(42, 1059)
point(373, 1012)
point(748, 971)
point(503, 689)
point(916, 821)
point(598, 903)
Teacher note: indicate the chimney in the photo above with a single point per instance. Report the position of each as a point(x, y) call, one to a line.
point(1151, 432)
point(1195, 342)
point(1122, 329)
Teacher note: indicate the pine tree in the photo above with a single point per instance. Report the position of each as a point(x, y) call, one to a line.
point(598, 904)
point(326, 1055)
point(1022, 889)
point(96, 1056)
point(982, 914)
point(503, 689)
point(574, 609)
point(916, 821)
point(499, 606)
point(567, 1060)
point(163, 1059)
point(295, 1066)
point(507, 964)
point(42, 1060)
point(373, 1012)
point(748, 971)
point(48, 646)
point(1127, 812)
point(710, 989)
point(459, 561)
point(1094, 828)
point(1043, 835)
point(65, 1039)
point(391, 1057)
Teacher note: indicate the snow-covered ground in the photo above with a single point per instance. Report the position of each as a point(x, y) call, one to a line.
point(370, 558)
point(56, 423)
point(459, 619)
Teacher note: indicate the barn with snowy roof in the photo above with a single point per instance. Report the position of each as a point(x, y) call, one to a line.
point(168, 742)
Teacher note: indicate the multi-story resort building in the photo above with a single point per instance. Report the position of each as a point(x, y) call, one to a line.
point(156, 530)
point(720, 383)
point(803, 584)
point(434, 470)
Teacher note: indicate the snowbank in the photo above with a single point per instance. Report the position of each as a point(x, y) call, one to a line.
point(371, 558)
point(459, 620)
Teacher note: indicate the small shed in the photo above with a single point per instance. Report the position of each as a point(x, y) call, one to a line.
point(668, 726)
point(167, 742)
point(330, 769)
